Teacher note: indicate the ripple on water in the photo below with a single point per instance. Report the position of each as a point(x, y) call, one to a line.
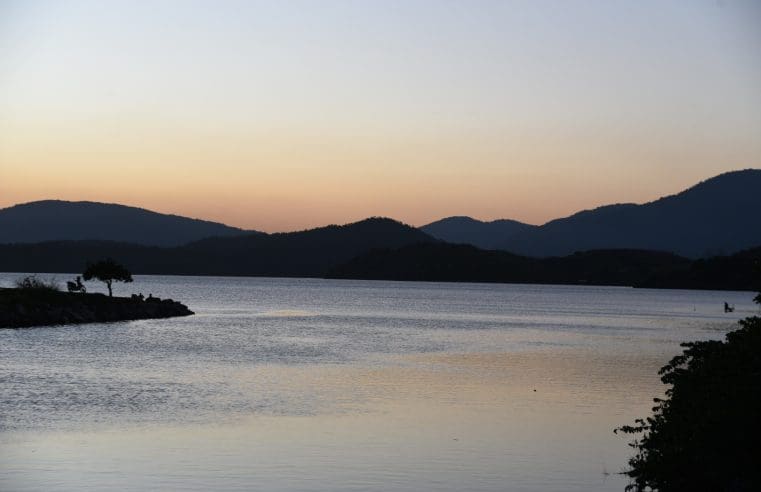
point(313, 378)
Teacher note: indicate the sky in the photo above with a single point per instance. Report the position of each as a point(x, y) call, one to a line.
point(280, 116)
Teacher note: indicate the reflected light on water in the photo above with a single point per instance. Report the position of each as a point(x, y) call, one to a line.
point(288, 384)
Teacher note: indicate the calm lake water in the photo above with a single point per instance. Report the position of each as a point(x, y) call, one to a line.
point(321, 385)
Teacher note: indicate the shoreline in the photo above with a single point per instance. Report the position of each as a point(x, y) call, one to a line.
point(28, 308)
point(373, 279)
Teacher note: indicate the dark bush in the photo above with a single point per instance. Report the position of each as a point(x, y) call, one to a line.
point(33, 283)
point(706, 433)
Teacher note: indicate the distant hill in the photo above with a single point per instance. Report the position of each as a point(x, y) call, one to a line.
point(712, 218)
point(464, 263)
point(305, 253)
point(55, 220)
point(309, 253)
point(718, 216)
point(384, 249)
point(466, 230)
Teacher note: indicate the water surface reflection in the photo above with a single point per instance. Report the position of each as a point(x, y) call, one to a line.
point(287, 384)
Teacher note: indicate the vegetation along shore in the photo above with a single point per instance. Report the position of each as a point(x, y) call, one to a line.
point(35, 302)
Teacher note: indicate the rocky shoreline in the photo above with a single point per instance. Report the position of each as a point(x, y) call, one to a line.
point(22, 308)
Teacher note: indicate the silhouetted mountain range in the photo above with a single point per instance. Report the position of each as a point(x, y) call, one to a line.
point(52, 220)
point(466, 230)
point(717, 216)
point(711, 218)
point(387, 250)
point(306, 253)
point(624, 244)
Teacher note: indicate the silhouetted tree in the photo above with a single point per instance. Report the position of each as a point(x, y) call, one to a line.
point(705, 434)
point(107, 271)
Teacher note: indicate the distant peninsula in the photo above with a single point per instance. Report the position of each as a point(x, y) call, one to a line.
point(443, 262)
point(23, 308)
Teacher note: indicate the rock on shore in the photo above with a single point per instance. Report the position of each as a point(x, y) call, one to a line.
point(20, 308)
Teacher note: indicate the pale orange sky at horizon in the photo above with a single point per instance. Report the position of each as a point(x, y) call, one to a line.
point(283, 117)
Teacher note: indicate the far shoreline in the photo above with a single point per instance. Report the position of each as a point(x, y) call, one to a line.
point(469, 282)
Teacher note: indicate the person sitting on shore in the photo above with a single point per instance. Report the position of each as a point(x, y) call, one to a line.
point(76, 286)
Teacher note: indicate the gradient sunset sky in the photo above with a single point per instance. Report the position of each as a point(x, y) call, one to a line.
point(285, 115)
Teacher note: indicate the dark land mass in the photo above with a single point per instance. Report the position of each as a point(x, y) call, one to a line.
point(385, 249)
point(54, 220)
point(715, 217)
point(484, 235)
point(308, 253)
point(704, 434)
point(635, 268)
point(20, 308)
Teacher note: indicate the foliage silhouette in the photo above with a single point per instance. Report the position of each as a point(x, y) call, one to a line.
point(107, 271)
point(33, 283)
point(705, 434)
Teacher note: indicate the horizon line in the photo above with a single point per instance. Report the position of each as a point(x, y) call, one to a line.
point(353, 221)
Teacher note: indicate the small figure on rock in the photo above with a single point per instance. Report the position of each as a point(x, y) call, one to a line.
point(76, 286)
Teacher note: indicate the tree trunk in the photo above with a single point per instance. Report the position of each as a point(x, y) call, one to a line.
point(108, 283)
